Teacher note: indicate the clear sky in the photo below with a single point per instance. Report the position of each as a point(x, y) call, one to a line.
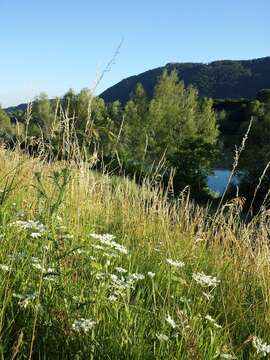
point(52, 45)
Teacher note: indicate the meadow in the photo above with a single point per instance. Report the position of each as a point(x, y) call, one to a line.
point(96, 267)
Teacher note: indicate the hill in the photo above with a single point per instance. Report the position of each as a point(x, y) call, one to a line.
point(20, 107)
point(218, 79)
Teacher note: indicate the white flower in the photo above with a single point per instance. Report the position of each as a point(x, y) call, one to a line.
point(36, 235)
point(151, 274)
point(119, 283)
point(83, 325)
point(112, 298)
point(107, 239)
point(31, 225)
point(111, 255)
point(120, 270)
point(170, 321)
point(103, 237)
point(205, 280)
point(262, 348)
point(136, 276)
point(39, 267)
point(162, 337)
point(25, 299)
point(176, 263)
point(213, 321)
point(5, 267)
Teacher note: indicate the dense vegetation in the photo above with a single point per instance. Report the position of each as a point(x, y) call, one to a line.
point(175, 132)
point(218, 79)
point(175, 129)
point(94, 267)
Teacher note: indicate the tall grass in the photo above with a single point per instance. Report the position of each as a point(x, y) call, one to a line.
point(168, 281)
point(142, 294)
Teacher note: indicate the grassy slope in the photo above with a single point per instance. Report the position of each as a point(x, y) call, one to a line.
point(76, 278)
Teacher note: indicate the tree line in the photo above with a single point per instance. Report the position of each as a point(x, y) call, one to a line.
point(175, 127)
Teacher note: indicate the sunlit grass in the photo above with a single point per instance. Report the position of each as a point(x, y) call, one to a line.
point(166, 282)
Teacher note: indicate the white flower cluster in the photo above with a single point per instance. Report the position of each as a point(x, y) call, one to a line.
point(107, 239)
point(213, 321)
point(120, 270)
point(170, 321)
point(36, 263)
point(262, 348)
point(5, 267)
point(36, 227)
point(83, 325)
point(205, 280)
point(25, 299)
point(122, 283)
point(175, 263)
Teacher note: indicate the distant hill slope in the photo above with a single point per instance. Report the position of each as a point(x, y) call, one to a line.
point(21, 107)
point(218, 79)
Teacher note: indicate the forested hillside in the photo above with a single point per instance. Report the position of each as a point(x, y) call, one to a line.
point(218, 79)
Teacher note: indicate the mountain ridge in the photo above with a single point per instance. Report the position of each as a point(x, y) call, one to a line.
point(217, 79)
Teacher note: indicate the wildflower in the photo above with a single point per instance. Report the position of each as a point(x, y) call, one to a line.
point(38, 266)
point(5, 267)
point(112, 298)
point(170, 321)
point(107, 239)
point(136, 276)
point(25, 300)
point(205, 280)
point(120, 283)
point(31, 225)
point(35, 235)
point(262, 348)
point(162, 337)
point(151, 274)
point(213, 321)
point(103, 237)
point(175, 263)
point(83, 325)
point(120, 270)
point(49, 278)
point(110, 255)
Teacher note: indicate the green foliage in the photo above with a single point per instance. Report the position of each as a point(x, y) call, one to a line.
point(42, 116)
point(165, 125)
point(5, 125)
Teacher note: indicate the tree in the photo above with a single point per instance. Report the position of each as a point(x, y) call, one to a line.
point(42, 116)
point(135, 126)
point(5, 125)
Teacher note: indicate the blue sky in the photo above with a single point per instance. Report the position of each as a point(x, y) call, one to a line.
point(52, 45)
